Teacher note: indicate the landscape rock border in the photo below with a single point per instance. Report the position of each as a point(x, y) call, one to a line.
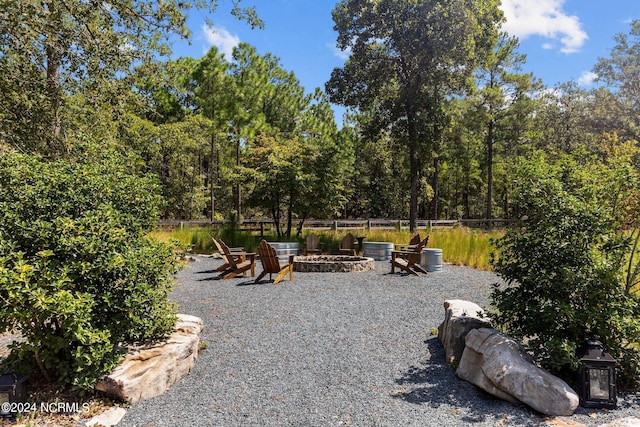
point(498, 364)
point(501, 366)
point(460, 317)
point(332, 264)
point(151, 370)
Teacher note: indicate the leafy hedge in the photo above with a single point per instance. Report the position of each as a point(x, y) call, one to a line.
point(78, 276)
point(565, 266)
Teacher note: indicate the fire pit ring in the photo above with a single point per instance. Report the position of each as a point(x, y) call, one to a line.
point(332, 264)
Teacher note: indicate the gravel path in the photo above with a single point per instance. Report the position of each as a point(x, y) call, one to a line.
point(331, 349)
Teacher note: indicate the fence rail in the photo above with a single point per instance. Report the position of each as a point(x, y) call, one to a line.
point(263, 225)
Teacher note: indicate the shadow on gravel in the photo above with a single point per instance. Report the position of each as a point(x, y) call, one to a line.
point(252, 282)
point(207, 272)
point(243, 283)
point(434, 383)
point(209, 279)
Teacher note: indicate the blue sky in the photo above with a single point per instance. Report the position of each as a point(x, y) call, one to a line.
point(563, 39)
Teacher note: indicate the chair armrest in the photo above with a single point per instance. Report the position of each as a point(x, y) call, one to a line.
point(401, 254)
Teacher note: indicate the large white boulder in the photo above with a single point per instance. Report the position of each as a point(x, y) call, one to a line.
point(150, 371)
point(460, 317)
point(501, 366)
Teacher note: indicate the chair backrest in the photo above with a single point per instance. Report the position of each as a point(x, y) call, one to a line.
point(226, 253)
point(415, 239)
point(268, 257)
point(420, 246)
point(218, 246)
point(348, 242)
point(313, 242)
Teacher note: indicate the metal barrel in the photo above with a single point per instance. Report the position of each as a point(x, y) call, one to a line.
point(283, 249)
point(431, 259)
point(379, 251)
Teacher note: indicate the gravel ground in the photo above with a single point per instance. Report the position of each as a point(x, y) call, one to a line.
point(330, 349)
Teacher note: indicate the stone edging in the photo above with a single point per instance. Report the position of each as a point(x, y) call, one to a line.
point(332, 264)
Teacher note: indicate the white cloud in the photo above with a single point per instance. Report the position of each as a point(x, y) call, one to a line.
point(587, 78)
point(544, 18)
point(222, 39)
point(342, 54)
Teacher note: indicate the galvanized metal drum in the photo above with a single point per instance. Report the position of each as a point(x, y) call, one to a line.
point(283, 249)
point(431, 259)
point(379, 251)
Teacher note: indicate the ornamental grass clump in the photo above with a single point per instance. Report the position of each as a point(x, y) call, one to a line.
point(78, 274)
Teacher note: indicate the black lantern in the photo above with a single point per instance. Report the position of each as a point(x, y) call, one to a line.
point(13, 389)
point(597, 377)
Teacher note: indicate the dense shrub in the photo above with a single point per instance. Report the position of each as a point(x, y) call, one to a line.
point(564, 269)
point(78, 276)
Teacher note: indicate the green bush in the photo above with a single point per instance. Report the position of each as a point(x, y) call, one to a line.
point(78, 276)
point(564, 269)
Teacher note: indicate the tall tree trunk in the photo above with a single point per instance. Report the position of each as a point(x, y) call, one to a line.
point(275, 213)
point(436, 176)
point(436, 135)
point(238, 187)
point(490, 137)
point(212, 176)
point(300, 224)
point(414, 169)
point(467, 183)
point(289, 219)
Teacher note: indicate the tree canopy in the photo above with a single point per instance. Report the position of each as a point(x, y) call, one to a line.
point(405, 59)
point(439, 110)
point(54, 48)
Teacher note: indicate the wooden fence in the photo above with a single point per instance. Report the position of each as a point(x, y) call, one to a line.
point(348, 224)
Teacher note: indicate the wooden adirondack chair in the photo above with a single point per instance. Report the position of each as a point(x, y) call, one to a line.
point(409, 260)
point(413, 242)
point(348, 245)
point(238, 262)
point(235, 252)
point(271, 263)
point(313, 245)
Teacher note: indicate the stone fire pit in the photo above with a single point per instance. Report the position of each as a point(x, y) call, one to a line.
point(332, 264)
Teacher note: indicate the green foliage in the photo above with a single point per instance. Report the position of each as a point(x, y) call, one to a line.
point(564, 267)
point(294, 177)
point(621, 73)
point(78, 276)
point(377, 184)
point(406, 59)
point(52, 50)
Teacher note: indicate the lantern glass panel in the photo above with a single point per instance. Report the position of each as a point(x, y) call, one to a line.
point(4, 397)
point(599, 383)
